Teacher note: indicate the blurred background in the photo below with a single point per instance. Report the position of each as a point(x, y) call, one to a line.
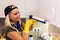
point(47, 9)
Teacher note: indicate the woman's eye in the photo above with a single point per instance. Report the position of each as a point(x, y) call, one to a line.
point(15, 14)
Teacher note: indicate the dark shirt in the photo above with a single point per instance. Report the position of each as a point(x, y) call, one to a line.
point(9, 29)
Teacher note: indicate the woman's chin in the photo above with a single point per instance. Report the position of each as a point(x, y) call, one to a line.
point(17, 20)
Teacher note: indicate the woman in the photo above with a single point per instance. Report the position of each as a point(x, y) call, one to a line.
point(13, 23)
point(13, 29)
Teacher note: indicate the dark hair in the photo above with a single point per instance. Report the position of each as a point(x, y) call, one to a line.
point(8, 9)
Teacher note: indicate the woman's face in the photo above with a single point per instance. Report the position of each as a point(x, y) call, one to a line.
point(14, 15)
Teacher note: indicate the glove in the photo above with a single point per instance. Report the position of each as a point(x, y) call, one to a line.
point(28, 25)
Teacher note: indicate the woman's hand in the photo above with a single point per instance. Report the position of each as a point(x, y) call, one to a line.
point(29, 23)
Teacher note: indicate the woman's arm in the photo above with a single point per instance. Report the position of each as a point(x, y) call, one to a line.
point(25, 36)
point(14, 35)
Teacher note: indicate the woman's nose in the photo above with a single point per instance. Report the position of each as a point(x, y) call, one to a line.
point(18, 15)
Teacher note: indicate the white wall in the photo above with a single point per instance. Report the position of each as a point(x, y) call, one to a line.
point(47, 10)
point(57, 16)
point(19, 3)
point(43, 8)
point(26, 7)
point(32, 7)
point(50, 9)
